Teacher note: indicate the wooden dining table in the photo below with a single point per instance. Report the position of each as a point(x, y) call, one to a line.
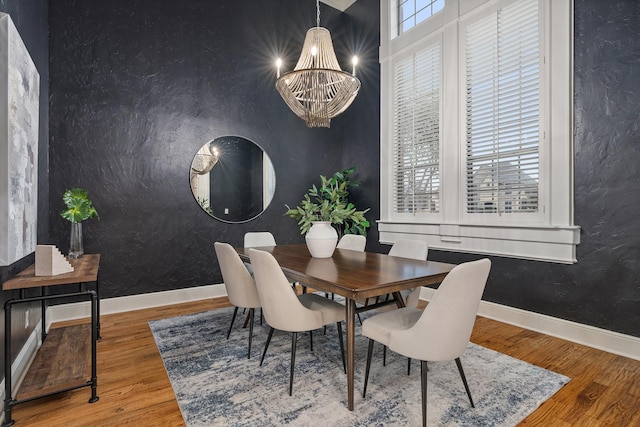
point(355, 276)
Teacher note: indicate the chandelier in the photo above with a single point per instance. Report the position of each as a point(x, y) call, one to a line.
point(317, 89)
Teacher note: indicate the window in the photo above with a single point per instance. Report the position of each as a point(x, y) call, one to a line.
point(416, 132)
point(412, 12)
point(477, 127)
point(502, 100)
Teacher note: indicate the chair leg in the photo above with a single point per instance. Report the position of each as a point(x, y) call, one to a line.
point(344, 363)
point(294, 338)
point(252, 313)
point(359, 318)
point(311, 339)
point(266, 346)
point(464, 381)
point(384, 355)
point(235, 312)
point(246, 319)
point(408, 366)
point(423, 385)
point(366, 372)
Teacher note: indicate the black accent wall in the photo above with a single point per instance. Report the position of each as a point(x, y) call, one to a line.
point(603, 288)
point(138, 87)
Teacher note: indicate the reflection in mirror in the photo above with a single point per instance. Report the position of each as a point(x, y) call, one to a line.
point(232, 179)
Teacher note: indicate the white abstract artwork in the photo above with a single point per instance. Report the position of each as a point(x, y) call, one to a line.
point(19, 99)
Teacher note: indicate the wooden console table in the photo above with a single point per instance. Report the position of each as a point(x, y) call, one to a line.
point(53, 371)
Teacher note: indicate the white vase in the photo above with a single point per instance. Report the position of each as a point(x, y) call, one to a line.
point(321, 239)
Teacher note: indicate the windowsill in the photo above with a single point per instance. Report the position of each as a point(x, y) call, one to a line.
point(541, 243)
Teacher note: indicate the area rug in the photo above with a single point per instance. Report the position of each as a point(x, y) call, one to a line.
point(216, 385)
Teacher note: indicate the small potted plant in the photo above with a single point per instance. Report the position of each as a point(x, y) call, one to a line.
point(325, 211)
point(79, 208)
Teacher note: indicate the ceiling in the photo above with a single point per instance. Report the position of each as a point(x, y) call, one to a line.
point(341, 5)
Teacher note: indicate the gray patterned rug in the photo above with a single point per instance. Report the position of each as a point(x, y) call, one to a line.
point(216, 385)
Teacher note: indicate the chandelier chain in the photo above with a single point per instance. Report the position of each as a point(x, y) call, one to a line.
point(317, 13)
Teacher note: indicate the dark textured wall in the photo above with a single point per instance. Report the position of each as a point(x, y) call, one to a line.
point(136, 89)
point(603, 288)
point(30, 19)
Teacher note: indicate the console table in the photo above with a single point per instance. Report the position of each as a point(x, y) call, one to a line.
point(51, 372)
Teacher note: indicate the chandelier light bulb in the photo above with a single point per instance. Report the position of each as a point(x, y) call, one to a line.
point(354, 61)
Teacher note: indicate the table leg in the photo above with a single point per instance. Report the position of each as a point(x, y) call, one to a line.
point(350, 308)
point(399, 299)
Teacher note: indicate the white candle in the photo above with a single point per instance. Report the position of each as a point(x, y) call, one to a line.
point(278, 65)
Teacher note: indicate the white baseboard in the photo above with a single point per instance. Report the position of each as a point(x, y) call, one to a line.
point(80, 310)
point(602, 339)
point(21, 364)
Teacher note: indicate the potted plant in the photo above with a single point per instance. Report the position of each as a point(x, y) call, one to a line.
point(326, 210)
point(79, 208)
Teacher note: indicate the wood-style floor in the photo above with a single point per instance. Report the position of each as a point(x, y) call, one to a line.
point(134, 388)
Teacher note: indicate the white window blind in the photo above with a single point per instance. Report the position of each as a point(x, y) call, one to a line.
point(416, 137)
point(503, 111)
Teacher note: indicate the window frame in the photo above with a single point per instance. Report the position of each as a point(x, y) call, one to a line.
point(552, 235)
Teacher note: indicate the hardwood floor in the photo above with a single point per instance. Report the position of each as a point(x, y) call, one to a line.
point(134, 388)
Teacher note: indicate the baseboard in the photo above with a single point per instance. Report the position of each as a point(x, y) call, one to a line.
point(21, 364)
point(60, 313)
point(602, 339)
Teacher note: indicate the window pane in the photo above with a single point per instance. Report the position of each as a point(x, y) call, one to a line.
point(412, 12)
point(502, 111)
point(417, 133)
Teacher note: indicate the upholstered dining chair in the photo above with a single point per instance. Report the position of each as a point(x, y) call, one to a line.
point(414, 249)
point(253, 239)
point(241, 288)
point(439, 332)
point(353, 242)
point(285, 311)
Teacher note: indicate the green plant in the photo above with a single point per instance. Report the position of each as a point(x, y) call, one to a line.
point(79, 207)
point(330, 202)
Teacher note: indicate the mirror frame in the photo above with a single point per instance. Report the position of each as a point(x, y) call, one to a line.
point(211, 155)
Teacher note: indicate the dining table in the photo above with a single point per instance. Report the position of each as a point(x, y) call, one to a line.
point(356, 276)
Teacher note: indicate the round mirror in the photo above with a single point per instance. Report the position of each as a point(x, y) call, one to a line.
point(232, 179)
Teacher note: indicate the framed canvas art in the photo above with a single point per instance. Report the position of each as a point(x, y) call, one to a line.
point(19, 100)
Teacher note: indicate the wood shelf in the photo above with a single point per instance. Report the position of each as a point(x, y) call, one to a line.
point(67, 358)
point(85, 270)
point(62, 362)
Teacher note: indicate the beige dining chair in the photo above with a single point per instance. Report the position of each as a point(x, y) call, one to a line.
point(353, 242)
point(285, 311)
point(254, 239)
point(414, 249)
point(240, 286)
point(439, 332)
